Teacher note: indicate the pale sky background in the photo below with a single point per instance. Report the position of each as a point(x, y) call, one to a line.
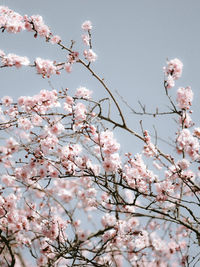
point(132, 39)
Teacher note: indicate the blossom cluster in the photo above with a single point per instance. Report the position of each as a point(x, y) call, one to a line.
point(11, 21)
point(42, 160)
point(10, 60)
point(184, 97)
point(46, 67)
point(173, 71)
point(188, 143)
point(36, 23)
point(14, 23)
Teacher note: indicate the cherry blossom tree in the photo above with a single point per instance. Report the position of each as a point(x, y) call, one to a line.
point(70, 195)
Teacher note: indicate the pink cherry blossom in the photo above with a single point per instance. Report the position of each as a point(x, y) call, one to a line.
point(14, 60)
point(55, 39)
point(36, 120)
point(68, 67)
point(6, 100)
point(185, 120)
point(69, 100)
point(108, 220)
point(174, 68)
point(197, 132)
point(87, 25)
point(8, 180)
point(170, 81)
point(112, 162)
point(57, 128)
point(186, 142)
point(80, 111)
point(90, 55)
point(183, 164)
point(45, 67)
point(149, 148)
point(24, 123)
point(83, 92)
point(184, 97)
point(38, 23)
point(86, 39)
point(10, 20)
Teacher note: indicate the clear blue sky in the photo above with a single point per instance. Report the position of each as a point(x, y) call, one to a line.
point(132, 39)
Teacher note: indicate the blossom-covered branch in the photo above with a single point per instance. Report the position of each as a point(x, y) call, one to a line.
point(70, 196)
